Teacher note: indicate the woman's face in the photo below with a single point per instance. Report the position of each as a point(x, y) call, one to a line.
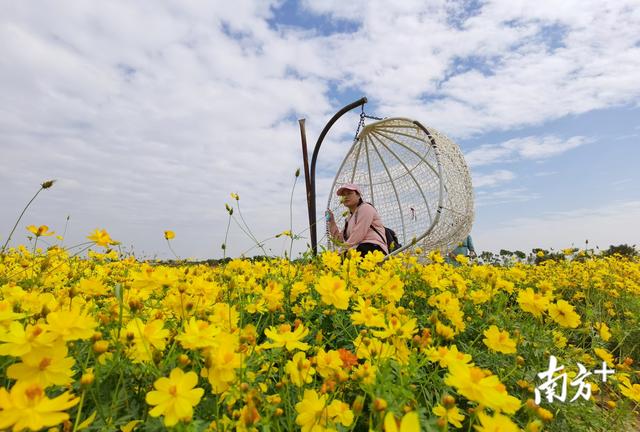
point(350, 198)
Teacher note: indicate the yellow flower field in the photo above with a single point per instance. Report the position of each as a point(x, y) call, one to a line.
point(108, 343)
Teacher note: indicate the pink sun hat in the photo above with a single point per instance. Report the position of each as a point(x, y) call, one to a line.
point(348, 186)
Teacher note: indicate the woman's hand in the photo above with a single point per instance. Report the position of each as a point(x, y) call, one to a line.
point(329, 217)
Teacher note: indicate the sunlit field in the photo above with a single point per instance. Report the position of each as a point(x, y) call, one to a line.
point(106, 342)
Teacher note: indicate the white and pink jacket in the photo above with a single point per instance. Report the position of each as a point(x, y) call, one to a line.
point(359, 229)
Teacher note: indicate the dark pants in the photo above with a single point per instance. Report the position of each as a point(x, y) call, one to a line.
point(365, 248)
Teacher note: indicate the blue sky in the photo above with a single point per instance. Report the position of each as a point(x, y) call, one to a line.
point(150, 114)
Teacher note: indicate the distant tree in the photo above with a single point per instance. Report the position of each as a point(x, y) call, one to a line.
point(623, 249)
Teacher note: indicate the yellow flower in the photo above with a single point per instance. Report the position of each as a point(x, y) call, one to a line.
point(299, 369)
point(310, 411)
point(144, 337)
point(339, 412)
point(434, 256)
point(235, 196)
point(44, 366)
point(604, 355)
point(533, 302)
point(410, 423)
point(333, 291)
point(20, 341)
point(367, 315)
point(603, 330)
point(366, 373)
point(284, 337)
point(92, 287)
point(394, 327)
point(559, 340)
point(7, 315)
point(331, 260)
point(71, 324)
point(451, 415)
point(632, 391)
point(168, 235)
point(198, 334)
point(499, 341)
point(497, 423)
point(41, 231)
point(223, 361)
point(328, 363)
point(27, 406)
point(472, 383)
point(562, 313)
point(175, 396)
point(101, 238)
point(445, 356)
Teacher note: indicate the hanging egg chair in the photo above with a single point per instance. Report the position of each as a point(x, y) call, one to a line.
point(415, 177)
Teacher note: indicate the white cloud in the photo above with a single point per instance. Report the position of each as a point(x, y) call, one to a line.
point(505, 196)
point(602, 226)
point(531, 147)
point(492, 179)
point(150, 113)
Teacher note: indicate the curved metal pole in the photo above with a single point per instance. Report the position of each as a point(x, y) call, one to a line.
point(312, 206)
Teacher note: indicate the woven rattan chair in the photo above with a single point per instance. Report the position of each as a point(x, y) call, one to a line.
point(416, 178)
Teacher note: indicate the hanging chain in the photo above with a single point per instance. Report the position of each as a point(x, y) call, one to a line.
point(361, 122)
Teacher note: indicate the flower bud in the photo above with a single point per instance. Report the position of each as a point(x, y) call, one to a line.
point(358, 405)
point(47, 184)
point(448, 401)
point(101, 346)
point(380, 404)
point(87, 378)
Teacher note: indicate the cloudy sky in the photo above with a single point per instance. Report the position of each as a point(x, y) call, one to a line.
point(150, 113)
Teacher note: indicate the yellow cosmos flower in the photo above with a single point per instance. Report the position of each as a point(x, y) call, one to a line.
point(559, 340)
point(632, 391)
point(49, 366)
point(367, 315)
point(19, 341)
point(144, 337)
point(499, 341)
point(175, 397)
point(300, 370)
point(26, 406)
point(333, 291)
point(328, 363)
point(472, 383)
point(41, 231)
point(562, 313)
point(7, 315)
point(604, 355)
point(101, 238)
point(603, 330)
point(198, 334)
point(497, 422)
point(394, 327)
point(284, 337)
point(445, 356)
point(533, 302)
point(71, 324)
point(451, 415)
point(410, 423)
point(339, 412)
point(223, 360)
point(445, 331)
point(310, 411)
point(168, 235)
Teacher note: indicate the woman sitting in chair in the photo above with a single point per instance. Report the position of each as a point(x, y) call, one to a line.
point(363, 228)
